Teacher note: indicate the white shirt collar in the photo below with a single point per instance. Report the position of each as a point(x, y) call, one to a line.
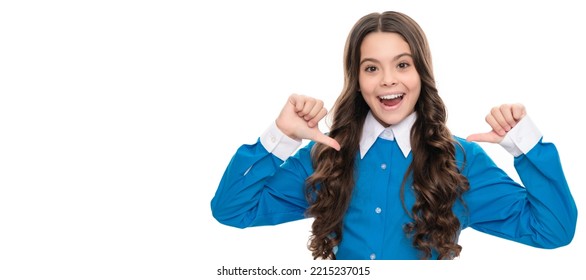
point(400, 132)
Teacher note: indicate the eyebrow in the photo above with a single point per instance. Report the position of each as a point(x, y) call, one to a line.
point(395, 58)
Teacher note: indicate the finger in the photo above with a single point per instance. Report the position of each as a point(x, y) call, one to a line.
point(297, 102)
point(318, 105)
point(326, 140)
point(308, 105)
point(495, 125)
point(518, 111)
point(507, 112)
point(318, 117)
point(501, 122)
point(489, 137)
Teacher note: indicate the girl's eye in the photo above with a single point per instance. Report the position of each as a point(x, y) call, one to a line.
point(370, 69)
point(403, 65)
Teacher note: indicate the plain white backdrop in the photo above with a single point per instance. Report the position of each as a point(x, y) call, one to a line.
point(117, 119)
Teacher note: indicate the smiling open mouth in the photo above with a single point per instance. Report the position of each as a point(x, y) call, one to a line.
point(391, 99)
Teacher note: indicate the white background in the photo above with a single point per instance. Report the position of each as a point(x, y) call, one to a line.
point(117, 119)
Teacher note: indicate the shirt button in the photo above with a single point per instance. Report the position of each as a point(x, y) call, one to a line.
point(383, 166)
point(377, 210)
point(372, 256)
point(273, 138)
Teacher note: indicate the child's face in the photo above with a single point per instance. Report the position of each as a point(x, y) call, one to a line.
point(388, 79)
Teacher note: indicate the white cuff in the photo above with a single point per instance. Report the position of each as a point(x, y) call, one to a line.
point(277, 143)
point(522, 138)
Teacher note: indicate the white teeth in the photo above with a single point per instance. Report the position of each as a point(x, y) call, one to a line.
point(391, 96)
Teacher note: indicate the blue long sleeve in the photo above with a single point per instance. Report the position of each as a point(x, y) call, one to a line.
point(539, 213)
point(246, 196)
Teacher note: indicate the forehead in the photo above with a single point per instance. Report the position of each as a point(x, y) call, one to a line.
point(383, 43)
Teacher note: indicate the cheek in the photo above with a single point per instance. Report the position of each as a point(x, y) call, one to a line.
point(367, 85)
point(414, 82)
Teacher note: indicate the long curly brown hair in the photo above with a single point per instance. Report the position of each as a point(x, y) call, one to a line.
point(437, 181)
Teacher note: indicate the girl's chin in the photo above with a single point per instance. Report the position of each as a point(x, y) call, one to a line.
point(387, 119)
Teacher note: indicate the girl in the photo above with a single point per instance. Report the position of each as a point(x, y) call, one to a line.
point(390, 181)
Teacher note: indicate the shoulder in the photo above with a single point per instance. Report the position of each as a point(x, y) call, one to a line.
point(466, 145)
point(467, 148)
point(472, 158)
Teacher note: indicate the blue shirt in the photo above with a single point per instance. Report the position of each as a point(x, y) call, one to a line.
point(263, 185)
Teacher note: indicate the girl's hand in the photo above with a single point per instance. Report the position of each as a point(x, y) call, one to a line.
point(502, 119)
point(300, 117)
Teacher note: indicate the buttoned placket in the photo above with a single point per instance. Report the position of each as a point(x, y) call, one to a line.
point(387, 134)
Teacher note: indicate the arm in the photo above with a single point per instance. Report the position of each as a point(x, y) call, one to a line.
point(244, 197)
point(262, 185)
point(541, 212)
